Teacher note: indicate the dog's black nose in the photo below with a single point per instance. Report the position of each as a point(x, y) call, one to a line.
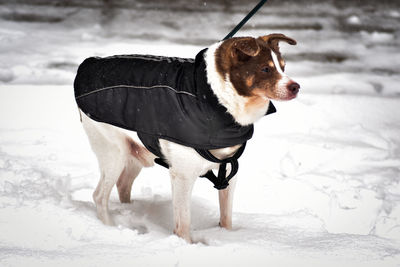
point(294, 87)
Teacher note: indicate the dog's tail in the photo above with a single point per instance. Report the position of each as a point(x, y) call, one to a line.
point(145, 157)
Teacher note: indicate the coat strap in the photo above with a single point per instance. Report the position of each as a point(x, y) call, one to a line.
point(222, 181)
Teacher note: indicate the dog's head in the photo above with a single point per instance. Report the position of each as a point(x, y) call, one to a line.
point(255, 67)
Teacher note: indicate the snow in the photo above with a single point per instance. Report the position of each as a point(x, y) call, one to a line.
point(319, 183)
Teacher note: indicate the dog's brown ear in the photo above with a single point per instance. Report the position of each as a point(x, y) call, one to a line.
point(273, 40)
point(245, 47)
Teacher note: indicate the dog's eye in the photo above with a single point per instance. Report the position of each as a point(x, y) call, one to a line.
point(266, 69)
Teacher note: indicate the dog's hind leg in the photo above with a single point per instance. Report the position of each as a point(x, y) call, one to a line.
point(109, 176)
point(125, 180)
point(137, 158)
point(109, 146)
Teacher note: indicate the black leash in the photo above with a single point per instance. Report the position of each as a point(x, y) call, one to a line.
point(240, 24)
point(222, 181)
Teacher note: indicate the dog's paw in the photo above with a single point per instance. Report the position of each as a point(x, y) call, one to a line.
point(227, 226)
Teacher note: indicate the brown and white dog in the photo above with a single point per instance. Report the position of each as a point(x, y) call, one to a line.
point(244, 73)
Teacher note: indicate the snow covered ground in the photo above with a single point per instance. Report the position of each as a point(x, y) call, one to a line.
point(319, 184)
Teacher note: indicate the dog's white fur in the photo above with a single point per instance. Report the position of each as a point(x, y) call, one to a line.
point(121, 158)
point(284, 81)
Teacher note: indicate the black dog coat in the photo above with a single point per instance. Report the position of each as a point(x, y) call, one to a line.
point(159, 97)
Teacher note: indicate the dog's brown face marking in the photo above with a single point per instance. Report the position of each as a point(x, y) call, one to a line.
point(250, 81)
point(250, 66)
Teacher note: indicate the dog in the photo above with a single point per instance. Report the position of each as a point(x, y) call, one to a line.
point(242, 75)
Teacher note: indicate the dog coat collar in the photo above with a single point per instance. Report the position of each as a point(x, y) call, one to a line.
point(161, 98)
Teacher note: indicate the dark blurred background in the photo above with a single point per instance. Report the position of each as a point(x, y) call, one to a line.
point(353, 46)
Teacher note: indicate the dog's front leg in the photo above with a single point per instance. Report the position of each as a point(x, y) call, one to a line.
point(182, 185)
point(225, 204)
